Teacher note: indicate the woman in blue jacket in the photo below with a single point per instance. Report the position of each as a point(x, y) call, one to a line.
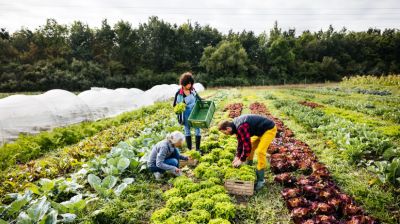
point(188, 95)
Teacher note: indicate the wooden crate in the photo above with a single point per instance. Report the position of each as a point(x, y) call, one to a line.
point(239, 187)
point(190, 162)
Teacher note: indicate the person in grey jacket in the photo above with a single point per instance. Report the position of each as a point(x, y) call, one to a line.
point(165, 155)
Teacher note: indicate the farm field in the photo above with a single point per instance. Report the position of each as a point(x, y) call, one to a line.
point(336, 159)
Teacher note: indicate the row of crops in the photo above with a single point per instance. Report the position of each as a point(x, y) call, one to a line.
point(358, 143)
point(97, 179)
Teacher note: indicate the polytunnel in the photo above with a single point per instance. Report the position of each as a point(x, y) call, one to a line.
point(31, 114)
point(104, 102)
point(162, 92)
point(198, 87)
point(66, 107)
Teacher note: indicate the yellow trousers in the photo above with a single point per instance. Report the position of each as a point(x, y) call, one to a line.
point(260, 145)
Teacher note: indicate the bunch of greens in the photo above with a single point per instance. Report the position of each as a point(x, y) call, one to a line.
point(179, 108)
point(245, 172)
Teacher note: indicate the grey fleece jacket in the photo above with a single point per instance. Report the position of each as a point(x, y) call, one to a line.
point(159, 153)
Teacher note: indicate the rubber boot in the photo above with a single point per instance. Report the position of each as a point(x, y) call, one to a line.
point(198, 141)
point(189, 142)
point(260, 180)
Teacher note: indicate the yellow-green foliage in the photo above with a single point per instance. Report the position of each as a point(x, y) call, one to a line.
point(201, 169)
point(176, 204)
point(224, 210)
point(245, 172)
point(173, 192)
point(204, 203)
point(179, 108)
point(199, 216)
point(389, 80)
point(176, 219)
point(221, 197)
point(193, 154)
point(161, 215)
point(219, 221)
point(226, 154)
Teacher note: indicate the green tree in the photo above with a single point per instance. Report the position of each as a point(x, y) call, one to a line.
point(227, 58)
point(103, 43)
point(126, 46)
point(81, 41)
point(281, 59)
point(52, 40)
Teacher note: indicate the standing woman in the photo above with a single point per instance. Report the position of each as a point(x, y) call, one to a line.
point(188, 95)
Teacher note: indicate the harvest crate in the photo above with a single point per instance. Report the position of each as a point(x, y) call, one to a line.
point(190, 162)
point(239, 187)
point(202, 114)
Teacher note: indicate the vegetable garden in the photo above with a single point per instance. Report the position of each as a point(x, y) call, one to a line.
point(336, 159)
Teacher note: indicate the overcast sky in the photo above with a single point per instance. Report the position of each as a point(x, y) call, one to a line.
point(224, 14)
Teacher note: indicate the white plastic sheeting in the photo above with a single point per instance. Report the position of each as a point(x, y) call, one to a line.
point(162, 92)
point(198, 87)
point(31, 114)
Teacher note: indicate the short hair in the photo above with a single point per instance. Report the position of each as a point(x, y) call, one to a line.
point(223, 125)
point(186, 78)
point(175, 137)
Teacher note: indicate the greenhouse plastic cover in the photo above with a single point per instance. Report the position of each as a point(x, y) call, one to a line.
point(31, 114)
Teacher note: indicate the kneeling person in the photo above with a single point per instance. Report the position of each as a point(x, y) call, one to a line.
point(165, 155)
point(254, 134)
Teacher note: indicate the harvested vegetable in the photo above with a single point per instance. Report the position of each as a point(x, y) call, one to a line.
point(180, 108)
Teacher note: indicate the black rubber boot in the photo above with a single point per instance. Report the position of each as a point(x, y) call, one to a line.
point(198, 141)
point(189, 142)
point(260, 180)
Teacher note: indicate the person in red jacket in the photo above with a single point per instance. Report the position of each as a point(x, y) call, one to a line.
point(254, 134)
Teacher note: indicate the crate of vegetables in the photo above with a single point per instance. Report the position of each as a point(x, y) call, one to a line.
point(239, 187)
point(240, 181)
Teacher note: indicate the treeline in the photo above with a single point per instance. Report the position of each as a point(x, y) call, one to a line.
point(76, 57)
